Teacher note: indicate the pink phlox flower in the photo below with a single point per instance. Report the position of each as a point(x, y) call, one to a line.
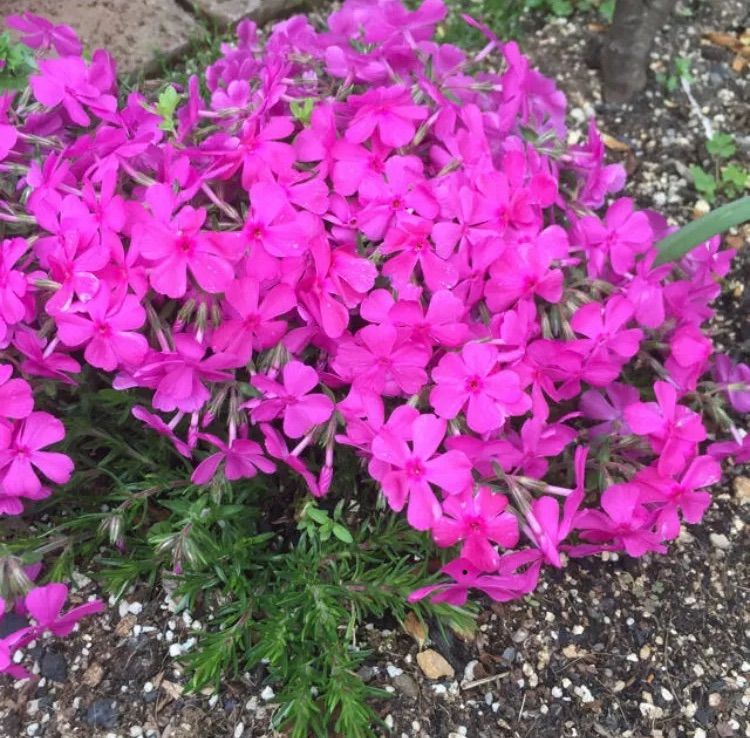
point(39, 33)
point(334, 274)
point(317, 142)
point(471, 380)
point(179, 376)
point(671, 496)
point(517, 575)
point(528, 450)
point(673, 430)
point(389, 110)
point(163, 429)
point(41, 361)
point(354, 164)
point(23, 453)
point(8, 139)
point(403, 192)
point(690, 351)
point(440, 324)
point(513, 329)
point(603, 326)
point(107, 207)
point(13, 284)
point(708, 260)
point(364, 415)
point(599, 179)
point(242, 459)
point(45, 604)
point(277, 448)
point(74, 265)
point(108, 330)
point(545, 526)
point(274, 224)
point(472, 213)
point(690, 300)
point(67, 80)
point(305, 191)
point(512, 205)
point(522, 274)
point(16, 399)
point(546, 363)
point(738, 448)
point(609, 408)
point(477, 520)
point(734, 378)
point(416, 468)
point(623, 235)
point(410, 241)
point(645, 290)
point(382, 360)
point(250, 322)
point(178, 247)
point(625, 521)
point(292, 399)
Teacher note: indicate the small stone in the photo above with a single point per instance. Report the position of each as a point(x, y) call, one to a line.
point(742, 489)
point(556, 692)
point(148, 687)
point(584, 693)
point(407, 685)
point(389, 722)
point(666, 695)
point(520, 635)
point(719, 540)
point(433, 665)
point(645, 652)
point(125, 625)
point(714, 699)
point(93, 675)
point(366, 673)
point(54, 666)
point(135, 608)
point(32, 729)
point(469, 670)
point(267, 693)
point(136, 731)
point(393, 671)
point(509, 654)
point(175, 650)
point(239, 729)
point(102, 714)
point(699, 733)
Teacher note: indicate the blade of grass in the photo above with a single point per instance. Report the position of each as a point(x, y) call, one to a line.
point(676, 245)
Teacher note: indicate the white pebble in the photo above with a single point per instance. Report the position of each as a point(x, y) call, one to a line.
point(135, 608)
point(719, 540)
point(584, 693)
point(148, 687)
point(136, 731)
point(666, 695)
point(393, 671)
point(267, 693)
point(175, 650)
point(32, 729)
point(239, 730)
point(389, 721)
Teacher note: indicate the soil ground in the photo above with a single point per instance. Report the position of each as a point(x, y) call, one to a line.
point(614, 647)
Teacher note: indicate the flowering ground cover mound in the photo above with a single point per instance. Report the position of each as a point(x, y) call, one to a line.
point(349, 265)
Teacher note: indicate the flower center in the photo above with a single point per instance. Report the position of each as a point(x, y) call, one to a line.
point(415, 469)
point(474, 383)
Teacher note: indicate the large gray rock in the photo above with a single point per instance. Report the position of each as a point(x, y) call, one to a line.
point(138, 33)
point(227, 12)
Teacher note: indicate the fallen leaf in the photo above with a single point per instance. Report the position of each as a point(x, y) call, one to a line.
point(125, 625)
point(171, 689)
point(613, 144)
point(742, 490)
point(728, 40)
point(433, 665)
point(465, 634)
point(93, 675)
point(416, 628)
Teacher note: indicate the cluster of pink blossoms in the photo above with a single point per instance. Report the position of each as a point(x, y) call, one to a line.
point(363, 237)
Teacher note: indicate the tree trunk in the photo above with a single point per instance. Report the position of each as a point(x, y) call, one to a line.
point(626, 50)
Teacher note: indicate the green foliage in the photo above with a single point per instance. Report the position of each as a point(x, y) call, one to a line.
point(284, 580)
point(16, 64)
point(680, 70)
point(728, 179)
point(505, 17)
point(167, 103)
